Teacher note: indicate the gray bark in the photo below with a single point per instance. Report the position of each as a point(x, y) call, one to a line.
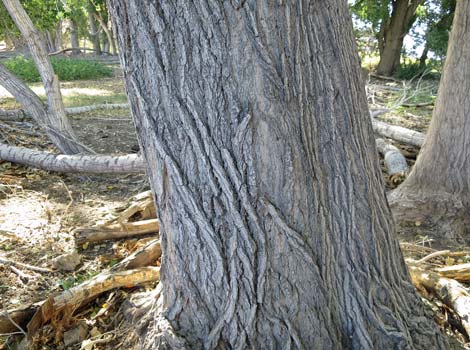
point(394, 161)
point(275, 229)
point(437, 192)
point(93, 28)
point(56, 112)
point(97, 164)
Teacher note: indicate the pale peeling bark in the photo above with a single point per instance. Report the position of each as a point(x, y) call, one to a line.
point(65, 139)
point(275, 228)
point(98, 164)
point(437, 192)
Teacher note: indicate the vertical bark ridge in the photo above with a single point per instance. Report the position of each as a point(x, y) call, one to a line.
point(255, 125)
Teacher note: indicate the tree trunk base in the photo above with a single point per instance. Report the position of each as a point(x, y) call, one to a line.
point(437, 213)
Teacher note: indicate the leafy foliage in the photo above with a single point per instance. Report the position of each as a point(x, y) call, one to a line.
point(65, 68)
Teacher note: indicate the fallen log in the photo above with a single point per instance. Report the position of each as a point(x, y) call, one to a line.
point(116, 231)
point(98, 164)
point(449, 291)
point(71, 299)
point(394, 160)
point(398, 133)
point(20, 114)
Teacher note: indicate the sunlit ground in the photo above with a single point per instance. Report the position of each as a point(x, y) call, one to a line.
point(77, 93)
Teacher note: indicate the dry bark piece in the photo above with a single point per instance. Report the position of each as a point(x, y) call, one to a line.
point(67, 262)
point(142, 257)
point(21, 316)
point(460, 272)
point(116, 231)
point(449, 291)
point(74, 297)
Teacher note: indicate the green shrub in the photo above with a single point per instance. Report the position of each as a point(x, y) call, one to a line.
point(412, 69)
point(67, 69)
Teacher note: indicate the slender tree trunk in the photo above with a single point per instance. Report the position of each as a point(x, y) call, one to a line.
point(276, 232)
point(437, 192)
point(74, 37)
point(401, 20)
point(94, 29)
point(106, 30)
point(67, 141)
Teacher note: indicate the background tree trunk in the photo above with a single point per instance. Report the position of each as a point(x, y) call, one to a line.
point(275, 229)
point(401, 20)
point(94, 29)
point(67, 141)
point(437, 190)
point(74, 37)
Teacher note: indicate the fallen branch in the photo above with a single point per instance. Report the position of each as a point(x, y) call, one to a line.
point(100, 164)
point(25, 266)
point(77, 49)
point(394, 161)
point(84, 109)
point(417, 105)
point(116, 231)
point(398, 133)
point(449, 291)
point(72, 299)
point(20, 114)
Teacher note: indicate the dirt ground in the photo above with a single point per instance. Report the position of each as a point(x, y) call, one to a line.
point(40, 210)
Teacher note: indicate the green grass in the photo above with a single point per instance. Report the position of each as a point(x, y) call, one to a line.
point(67, 69)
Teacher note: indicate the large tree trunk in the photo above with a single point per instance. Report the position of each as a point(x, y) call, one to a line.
point(66, 139)
point(437, 192)
point(394, 32)
point(276, 233)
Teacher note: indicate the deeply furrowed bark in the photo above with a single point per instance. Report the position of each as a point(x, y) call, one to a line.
point(275, 229)
point(437, 191)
